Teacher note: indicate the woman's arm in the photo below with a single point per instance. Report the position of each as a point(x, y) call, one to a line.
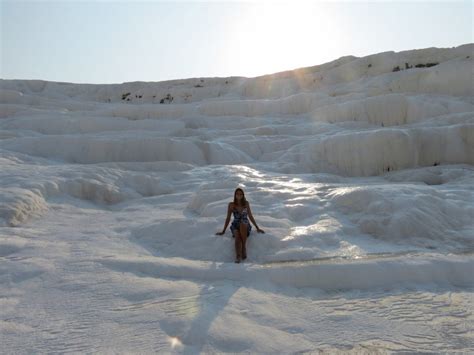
point(227, 220)
point(253, 219)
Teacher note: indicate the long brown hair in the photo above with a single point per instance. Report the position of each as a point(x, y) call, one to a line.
point(244, 201)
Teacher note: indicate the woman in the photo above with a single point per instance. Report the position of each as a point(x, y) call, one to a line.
point(240, 226)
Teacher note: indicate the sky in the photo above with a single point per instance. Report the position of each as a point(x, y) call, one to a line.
point(104, 42)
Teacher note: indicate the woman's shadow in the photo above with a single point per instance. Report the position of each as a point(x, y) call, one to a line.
point(213, 298)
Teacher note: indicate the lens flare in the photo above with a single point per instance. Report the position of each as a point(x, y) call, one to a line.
point(175, 342)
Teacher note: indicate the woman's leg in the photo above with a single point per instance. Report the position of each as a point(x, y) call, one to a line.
point(238, 246)
point(243, 234)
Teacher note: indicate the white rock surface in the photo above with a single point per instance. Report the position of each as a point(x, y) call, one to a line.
point(361, 176)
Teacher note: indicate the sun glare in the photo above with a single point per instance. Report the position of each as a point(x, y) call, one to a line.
point(175, 342)
point(269, 37)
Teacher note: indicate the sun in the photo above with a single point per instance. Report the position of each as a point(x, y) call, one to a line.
point(270, 37)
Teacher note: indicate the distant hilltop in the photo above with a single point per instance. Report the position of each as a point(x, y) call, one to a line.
point(430, 70)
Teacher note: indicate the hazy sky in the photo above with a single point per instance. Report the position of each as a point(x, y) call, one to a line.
point(119, 41)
